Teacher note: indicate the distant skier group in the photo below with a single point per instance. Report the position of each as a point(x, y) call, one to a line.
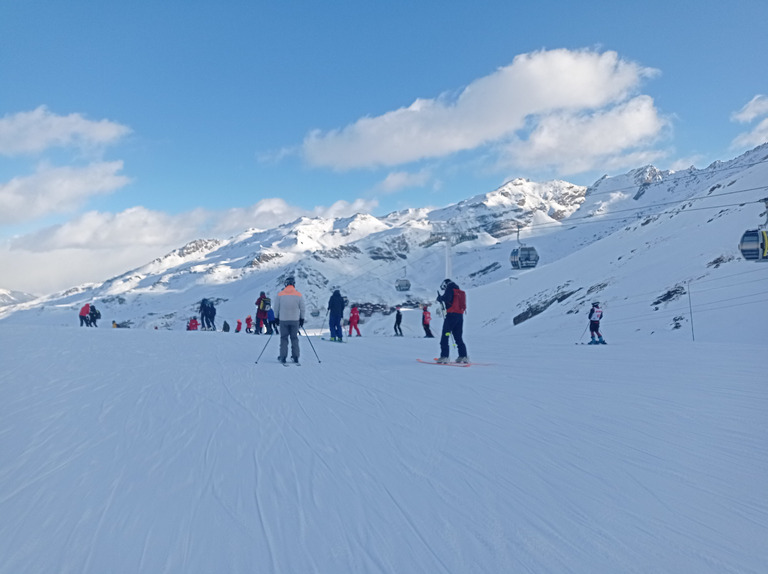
point(89, 315)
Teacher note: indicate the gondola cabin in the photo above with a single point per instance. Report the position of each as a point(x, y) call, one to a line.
point(754, 245)
point(524, 257)
point(402, 285)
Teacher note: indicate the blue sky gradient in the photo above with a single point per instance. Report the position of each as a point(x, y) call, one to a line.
point(142, 125)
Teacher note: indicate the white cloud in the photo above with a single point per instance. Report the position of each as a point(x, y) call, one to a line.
point(490, 110)
point(57, 190)
point(35, 131)
point(757, 107)
point(95, 246)
point(575, 143)
point(397, 180)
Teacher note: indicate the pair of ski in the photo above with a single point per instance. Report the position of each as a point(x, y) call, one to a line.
point(450, 363)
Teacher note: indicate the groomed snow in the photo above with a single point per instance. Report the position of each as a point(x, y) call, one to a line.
point(126, 450)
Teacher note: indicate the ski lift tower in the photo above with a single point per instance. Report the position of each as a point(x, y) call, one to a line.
point(452, 233)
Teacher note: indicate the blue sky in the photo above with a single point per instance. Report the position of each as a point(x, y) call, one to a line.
point(129, 128)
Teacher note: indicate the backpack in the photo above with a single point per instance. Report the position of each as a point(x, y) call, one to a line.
point(265, 304)
point(459, 304)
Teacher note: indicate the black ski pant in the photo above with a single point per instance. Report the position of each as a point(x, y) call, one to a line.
point(84, 320)
point(453, 325)
point(427, 331)
point(398, 330)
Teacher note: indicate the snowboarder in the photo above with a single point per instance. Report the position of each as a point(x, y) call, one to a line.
point(85, 318)
point(263, 303)
point(354, 319)
point(336, 306)
point(455, 302)
point(398, 320)
point(289, 310)
point(426, 318)
point(595, 314)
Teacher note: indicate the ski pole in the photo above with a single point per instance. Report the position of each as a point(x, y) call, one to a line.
point(311, 345)
point(264, 349)
point(582, 333)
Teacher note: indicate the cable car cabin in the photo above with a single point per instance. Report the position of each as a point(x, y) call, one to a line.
point(402, 285)
point(524, 257)
point(754, 245)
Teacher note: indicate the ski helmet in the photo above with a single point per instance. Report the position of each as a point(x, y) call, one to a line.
point(596, 304)
point(290, 281)
point(445, 284)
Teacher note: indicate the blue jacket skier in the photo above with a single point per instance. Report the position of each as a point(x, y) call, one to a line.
point(336, 306)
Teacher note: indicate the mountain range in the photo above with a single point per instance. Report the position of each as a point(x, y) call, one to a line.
point(647, 240)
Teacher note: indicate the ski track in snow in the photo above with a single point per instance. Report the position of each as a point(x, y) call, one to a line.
point(152, 451)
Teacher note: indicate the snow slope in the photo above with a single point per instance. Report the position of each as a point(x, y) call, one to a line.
point(131, 450)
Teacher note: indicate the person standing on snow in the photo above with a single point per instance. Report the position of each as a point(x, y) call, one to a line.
point(94, 314)
point(85, 318)
point(262, 305)
point(354, 319)
point(271, 322)
point(426, 317)
point(289, 310)
point(455, 302)
point(336, 306)
point(239, 326)
point(248, 324)
point(398, 320)
point(595, 314)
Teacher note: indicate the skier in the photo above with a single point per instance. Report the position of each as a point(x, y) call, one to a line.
point(84, 315)
point(336, 306)
point(192, 324)
point(426, 317)
point(239, 326)
point(263, 303)
point(271, 323)
point(354, 319)
point(94, 314)
point(290, 310)
point(455, 302)
point(248, 324)
point(398, 320)
point(595, 314)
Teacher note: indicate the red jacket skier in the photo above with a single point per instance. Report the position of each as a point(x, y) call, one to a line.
point(248, 324)
point(85, 312)
point(354, 319)
point(262, 306)
point(193, 324)
point(426, 317)
point(239, 326)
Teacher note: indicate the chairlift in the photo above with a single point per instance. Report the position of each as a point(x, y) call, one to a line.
point(524, 256)
point(754, 242)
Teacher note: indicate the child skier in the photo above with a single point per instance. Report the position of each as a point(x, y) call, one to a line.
point(426, 317)
point(354, 319)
